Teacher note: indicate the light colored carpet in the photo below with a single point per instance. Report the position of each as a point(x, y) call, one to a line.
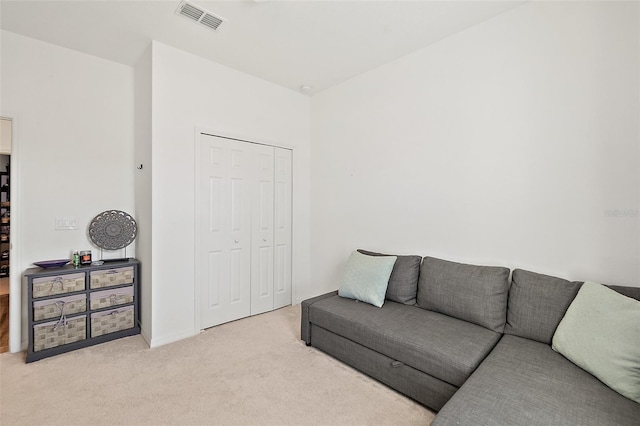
point(255, 371)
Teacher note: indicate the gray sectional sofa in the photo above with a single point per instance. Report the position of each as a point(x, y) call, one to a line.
point(472, 342)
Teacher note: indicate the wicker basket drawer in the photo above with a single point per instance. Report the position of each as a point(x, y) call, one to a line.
point(57, 333)
point(58, 284)
point(111, 277)
point(56, 308)
point(110, 321)
point(113, 297)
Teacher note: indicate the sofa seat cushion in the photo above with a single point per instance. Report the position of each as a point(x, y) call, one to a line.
point(523, 382)
point(443, 347)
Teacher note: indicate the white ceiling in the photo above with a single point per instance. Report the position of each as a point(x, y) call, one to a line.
point(290, 43)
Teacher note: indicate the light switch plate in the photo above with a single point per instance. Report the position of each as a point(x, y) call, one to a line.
point(66, 223)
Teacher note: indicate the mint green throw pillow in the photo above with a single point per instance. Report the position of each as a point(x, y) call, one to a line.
point(366, 278)
point(600, 333)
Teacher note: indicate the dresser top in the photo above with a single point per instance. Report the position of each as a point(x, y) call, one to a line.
point(70, 269)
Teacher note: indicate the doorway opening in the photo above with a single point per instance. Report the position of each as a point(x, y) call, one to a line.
point(6, 136)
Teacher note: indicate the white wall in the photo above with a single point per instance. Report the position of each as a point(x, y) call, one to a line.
point(143, 189)
point(188, 91)
point(514, 143)
point(76, 126)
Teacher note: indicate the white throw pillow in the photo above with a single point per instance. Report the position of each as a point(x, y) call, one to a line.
point(600, 333)
point(366, 278)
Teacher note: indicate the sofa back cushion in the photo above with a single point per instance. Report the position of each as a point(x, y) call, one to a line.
point(537, 303)
point(477, 294)
point(403, 283)
point(633, 292)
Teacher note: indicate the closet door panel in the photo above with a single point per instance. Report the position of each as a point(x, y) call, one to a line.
point(283, 227)
point(262, 231)
point(215, 276)
point(224, 257)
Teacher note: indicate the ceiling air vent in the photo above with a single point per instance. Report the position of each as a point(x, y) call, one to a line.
point(201, 16)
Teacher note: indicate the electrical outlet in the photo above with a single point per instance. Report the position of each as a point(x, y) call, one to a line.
point(66, 223)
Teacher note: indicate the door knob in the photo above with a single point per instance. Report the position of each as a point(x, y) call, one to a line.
point(237, 241)
point(264, 239)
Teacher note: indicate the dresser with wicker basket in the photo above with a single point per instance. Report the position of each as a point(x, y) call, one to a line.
point(74, 307)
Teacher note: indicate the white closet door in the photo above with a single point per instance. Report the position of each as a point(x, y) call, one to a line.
point(262, 231)
point(224, 254)
point(282, 227)
point(244, 221)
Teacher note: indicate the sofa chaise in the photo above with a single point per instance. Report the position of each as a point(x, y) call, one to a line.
point(471, 342)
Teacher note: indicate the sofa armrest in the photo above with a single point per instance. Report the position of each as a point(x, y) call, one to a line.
point(305, 325)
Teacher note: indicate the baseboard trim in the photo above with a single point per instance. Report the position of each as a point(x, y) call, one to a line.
point(156, 342)
point(145, 336)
